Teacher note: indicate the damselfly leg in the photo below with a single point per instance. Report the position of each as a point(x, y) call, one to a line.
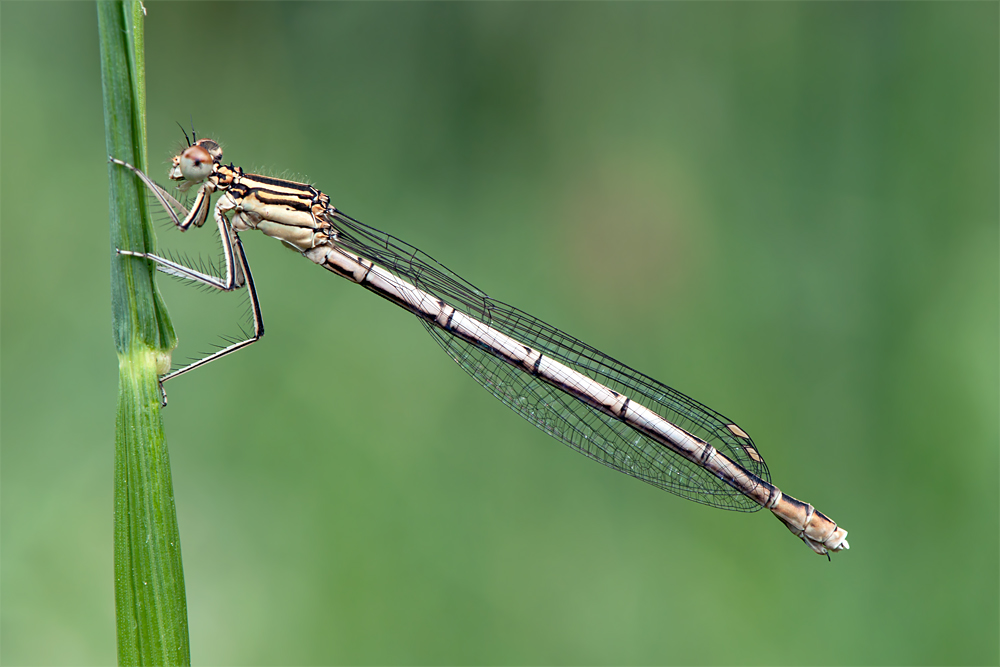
point(237, 269)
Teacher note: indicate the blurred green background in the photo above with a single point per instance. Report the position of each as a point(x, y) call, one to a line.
point(788, 211)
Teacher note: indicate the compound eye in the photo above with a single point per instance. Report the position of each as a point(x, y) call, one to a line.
point(195, 163)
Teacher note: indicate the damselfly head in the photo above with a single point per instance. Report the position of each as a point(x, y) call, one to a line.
point(196, 162)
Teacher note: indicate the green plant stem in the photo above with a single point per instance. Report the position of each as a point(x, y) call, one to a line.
point(152, 626)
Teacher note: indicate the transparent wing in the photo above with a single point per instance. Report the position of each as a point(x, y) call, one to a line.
point(593, 433)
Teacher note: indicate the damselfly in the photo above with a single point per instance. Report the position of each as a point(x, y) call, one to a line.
point(609, 412)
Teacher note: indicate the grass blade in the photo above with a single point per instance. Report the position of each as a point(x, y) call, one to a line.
point(152, 626)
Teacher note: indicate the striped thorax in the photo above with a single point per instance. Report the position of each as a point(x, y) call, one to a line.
point(297, 214)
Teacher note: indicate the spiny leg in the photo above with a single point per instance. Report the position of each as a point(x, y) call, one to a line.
point(178, 213)
point(258, 322)
point(237, 267)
